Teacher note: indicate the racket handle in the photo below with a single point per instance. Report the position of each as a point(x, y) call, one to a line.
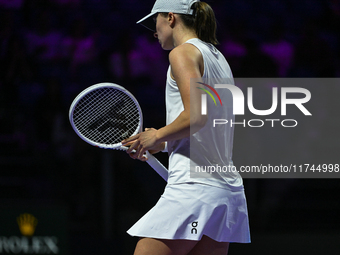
point(153, 162)
point(157, 166)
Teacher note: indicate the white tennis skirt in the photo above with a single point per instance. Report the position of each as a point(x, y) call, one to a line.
point(191, 210)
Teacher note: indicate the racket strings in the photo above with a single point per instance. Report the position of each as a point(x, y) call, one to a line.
point(107, 116)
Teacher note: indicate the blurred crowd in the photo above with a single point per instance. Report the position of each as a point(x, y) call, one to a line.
point(52, 49)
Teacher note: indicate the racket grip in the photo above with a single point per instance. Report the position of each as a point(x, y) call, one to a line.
point(157, 166)
point(153, 162)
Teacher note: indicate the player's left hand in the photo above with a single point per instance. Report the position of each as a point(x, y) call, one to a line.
point(142, 142)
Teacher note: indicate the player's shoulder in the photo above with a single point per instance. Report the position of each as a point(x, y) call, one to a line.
point(185, 51)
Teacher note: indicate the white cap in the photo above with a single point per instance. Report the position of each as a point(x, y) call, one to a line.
point(175, 6)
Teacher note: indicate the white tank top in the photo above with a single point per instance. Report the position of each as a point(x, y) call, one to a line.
point(209, 147)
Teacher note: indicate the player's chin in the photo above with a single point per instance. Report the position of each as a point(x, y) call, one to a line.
point(166, 47)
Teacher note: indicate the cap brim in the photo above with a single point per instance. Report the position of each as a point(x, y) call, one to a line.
point(148, 22)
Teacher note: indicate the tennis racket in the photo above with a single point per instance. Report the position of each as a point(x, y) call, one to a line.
point(105, 114)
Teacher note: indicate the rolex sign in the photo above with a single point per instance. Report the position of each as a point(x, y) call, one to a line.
point(33, 230)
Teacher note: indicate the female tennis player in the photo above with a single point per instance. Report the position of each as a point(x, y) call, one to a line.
point(194, 215)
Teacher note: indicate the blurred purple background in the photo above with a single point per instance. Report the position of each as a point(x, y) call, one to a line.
point(50, 50)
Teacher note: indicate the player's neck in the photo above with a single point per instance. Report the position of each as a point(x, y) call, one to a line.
point(183, 35)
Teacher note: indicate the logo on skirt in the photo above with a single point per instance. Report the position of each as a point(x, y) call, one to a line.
point(194, 227)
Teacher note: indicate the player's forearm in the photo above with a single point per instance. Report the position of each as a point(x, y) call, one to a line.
point(181, 127)
point(178, 129)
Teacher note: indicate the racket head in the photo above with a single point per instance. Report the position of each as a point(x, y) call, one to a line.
point(104, 114)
